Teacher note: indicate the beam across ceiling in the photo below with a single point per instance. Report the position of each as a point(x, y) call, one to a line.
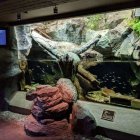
point(72, 9)
point(15, 6)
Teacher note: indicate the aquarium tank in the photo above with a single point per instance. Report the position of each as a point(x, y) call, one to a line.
point(99, 53)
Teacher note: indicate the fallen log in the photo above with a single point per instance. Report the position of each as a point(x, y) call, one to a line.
point(84, 83)
point(82, 70)
point(79, 89)
point(48, 52)
point(43, 33)
point(61, 48)
point(48, 44)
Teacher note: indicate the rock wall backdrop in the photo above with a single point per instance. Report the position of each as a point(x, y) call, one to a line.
point(9, 70)
point(101, 53)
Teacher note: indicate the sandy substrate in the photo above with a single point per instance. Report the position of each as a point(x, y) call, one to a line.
point(10, 116)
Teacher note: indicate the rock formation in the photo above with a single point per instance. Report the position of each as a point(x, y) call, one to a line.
point(23, 41)
point(70, 30)
point(83, 121)
point(111, 43)
point(9, 70)
point(59, 49)
point(51, 109)
point(57, 38)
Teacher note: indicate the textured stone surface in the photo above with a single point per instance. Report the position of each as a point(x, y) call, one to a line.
point(9, 70)
point(112, 40)
point(83, 121)
point(23, 41)
point(11, 116)
point(71, 30)
point(67, 89)
point(58, 108)
point(126, 49)
point(51, 109)
point(8, 59)
point(113, 19)
point(8, 65)
point(55, 128)
point(47, 91)
point(49, 102)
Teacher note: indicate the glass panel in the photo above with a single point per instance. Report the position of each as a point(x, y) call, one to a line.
point(99, 53)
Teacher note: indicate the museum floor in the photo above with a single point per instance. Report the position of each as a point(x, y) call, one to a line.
point(12, 128)
point(12, 131)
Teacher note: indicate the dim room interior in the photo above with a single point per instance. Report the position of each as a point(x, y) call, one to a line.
point(70, 70)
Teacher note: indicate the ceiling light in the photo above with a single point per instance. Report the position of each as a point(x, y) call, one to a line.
point(55, 10)
point(19, 16)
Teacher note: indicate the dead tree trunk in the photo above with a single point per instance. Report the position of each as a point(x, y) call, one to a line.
point(53, 46)
point(48, 45)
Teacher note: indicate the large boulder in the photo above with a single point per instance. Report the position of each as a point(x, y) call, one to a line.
point(67, 89)
point(9, 65)
point(57, 128)
point(70, 30)
point(23, 40)
point(9, 70)
point(113, 19)
point(52, 106)
point(91, 34)
point(83, 121)
point(111, 41)
point(8, 58)
point(49, 103)
point(127, 48)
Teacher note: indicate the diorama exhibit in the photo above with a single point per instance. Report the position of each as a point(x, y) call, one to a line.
point(72, 79)
point(100, 55)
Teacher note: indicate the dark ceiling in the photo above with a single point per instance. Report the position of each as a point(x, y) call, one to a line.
point(39, 10)
point(14, 6)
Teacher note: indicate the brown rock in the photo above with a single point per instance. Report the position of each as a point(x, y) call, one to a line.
point(42, 86)
point(67, 95)
point(47, 102)
point(83, 121)
point(46, 91)
point(58, 108)
point(67, 89)
point(56, 128)
point(54, 97)
point(52, 103)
